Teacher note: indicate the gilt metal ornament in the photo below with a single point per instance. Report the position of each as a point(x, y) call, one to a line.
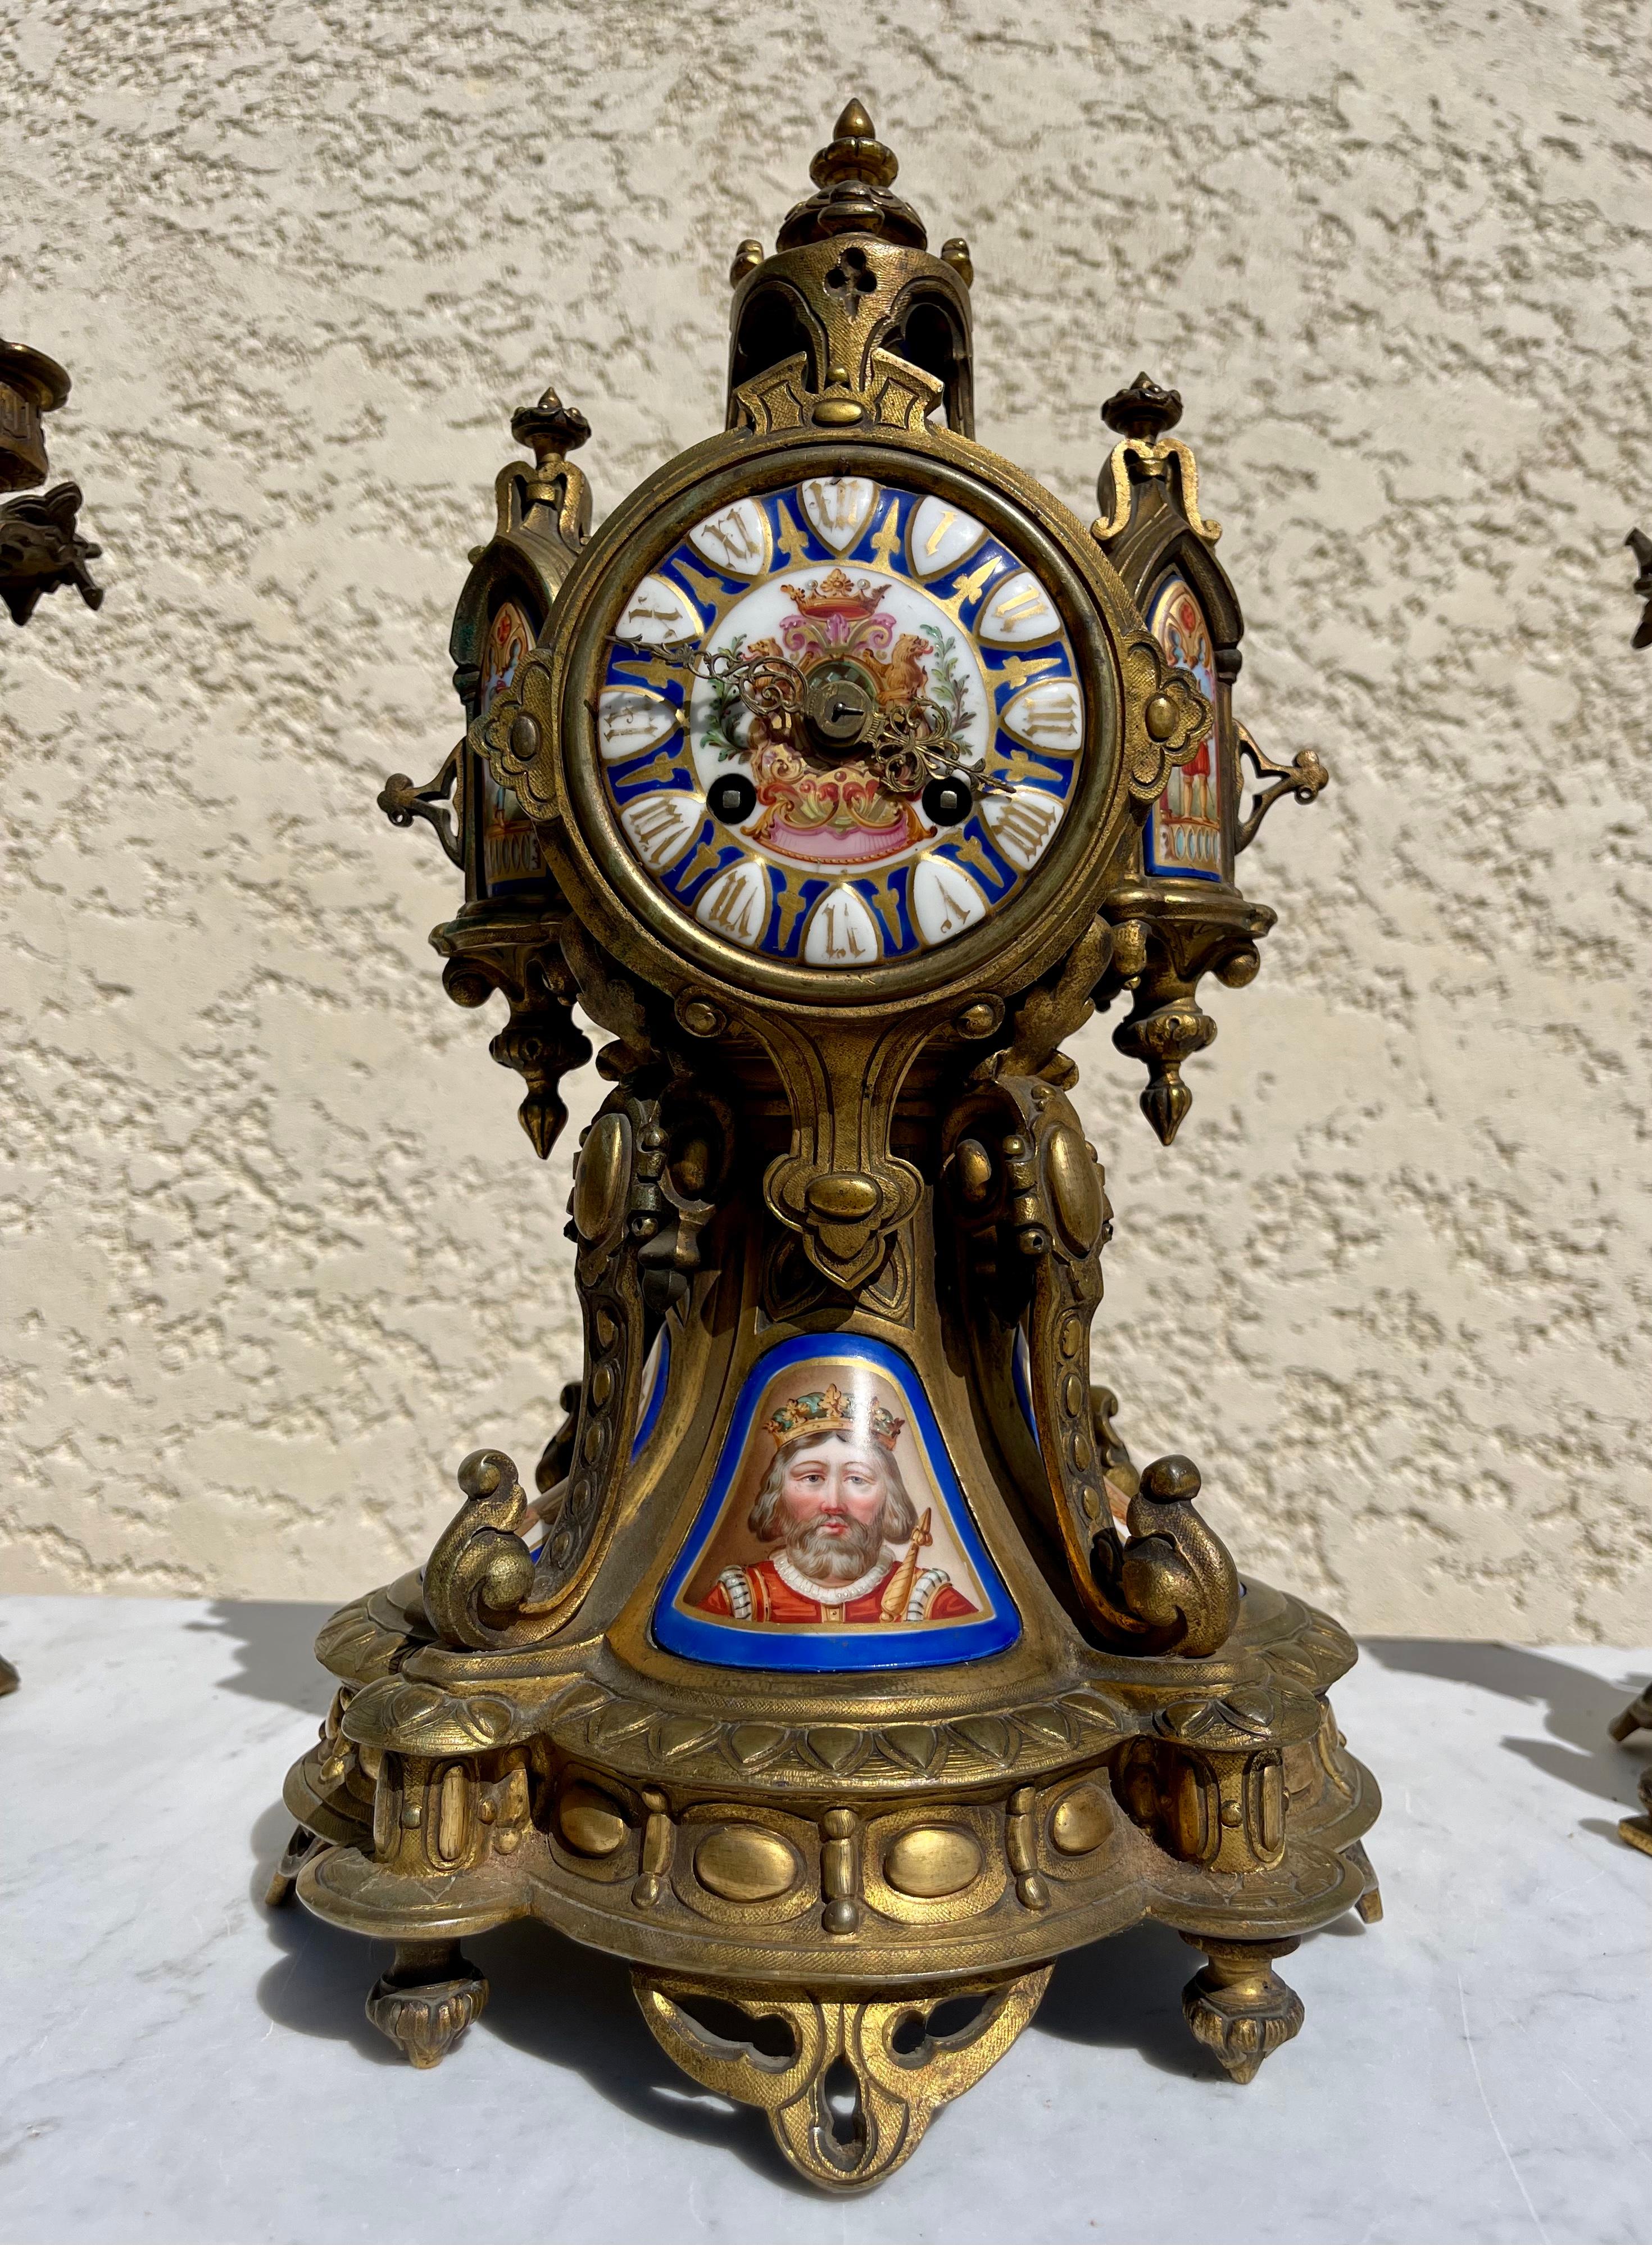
point(41, 547)
point(840, 1669)
point(1637, 1716)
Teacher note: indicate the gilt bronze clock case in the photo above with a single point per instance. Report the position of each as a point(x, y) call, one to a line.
point(845, 1671)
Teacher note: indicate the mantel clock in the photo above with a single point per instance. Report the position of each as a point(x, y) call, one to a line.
point(843, 1670)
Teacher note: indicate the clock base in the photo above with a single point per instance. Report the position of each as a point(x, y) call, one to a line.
point(844, 1927)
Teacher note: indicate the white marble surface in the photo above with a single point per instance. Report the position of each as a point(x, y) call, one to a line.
point(177, 2064)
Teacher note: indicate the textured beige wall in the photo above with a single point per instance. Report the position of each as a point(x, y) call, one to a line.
point(277, 1253)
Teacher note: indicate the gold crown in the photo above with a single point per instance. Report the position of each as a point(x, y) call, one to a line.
point(829, 1411)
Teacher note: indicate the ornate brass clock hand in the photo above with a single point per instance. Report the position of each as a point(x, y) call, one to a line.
point(906, 743)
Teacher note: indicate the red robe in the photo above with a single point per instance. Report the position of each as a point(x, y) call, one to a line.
point(773, 1599)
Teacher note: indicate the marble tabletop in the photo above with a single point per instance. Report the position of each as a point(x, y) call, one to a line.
point(177, 2063)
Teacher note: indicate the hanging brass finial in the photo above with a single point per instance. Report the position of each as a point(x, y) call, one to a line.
point(854, 175)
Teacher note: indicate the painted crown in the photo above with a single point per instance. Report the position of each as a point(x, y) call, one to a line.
point(836, 594)
point(829, 1411)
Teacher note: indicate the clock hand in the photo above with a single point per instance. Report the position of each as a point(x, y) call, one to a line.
point(914, 744)
point(906, 744)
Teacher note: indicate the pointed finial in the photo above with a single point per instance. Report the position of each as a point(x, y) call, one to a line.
point(854, 175)
point(855, 153)
point(550, 429)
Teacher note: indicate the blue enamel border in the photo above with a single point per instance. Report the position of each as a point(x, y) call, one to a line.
point(887, 892)
point(733, 1646)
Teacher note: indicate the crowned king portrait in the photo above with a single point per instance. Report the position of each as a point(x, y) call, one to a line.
point(847, 1539)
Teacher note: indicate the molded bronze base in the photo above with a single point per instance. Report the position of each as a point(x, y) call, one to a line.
point(812, 1895)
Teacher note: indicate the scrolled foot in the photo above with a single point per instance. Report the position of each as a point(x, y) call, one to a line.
point(1638, 1832)
point(849, 2086)
point(1238, 2006)
point(427, 1999)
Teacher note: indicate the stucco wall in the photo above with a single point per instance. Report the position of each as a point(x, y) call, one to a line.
point(276, 1251)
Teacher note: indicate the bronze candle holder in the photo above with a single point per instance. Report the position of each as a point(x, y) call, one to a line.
point(41, 547)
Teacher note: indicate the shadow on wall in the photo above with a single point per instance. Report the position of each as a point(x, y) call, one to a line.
point(1576, 1705)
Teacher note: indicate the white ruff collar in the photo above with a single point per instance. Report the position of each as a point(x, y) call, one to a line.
point(828, 1594)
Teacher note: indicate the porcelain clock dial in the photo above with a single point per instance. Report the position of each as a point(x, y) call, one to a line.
point(840, 722)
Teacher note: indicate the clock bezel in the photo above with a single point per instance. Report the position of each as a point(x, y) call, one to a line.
point(612, 894)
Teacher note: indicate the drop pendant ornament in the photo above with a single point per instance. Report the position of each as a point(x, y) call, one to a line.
point(840, 1665)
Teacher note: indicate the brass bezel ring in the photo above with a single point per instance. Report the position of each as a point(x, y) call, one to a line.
point(612, 894)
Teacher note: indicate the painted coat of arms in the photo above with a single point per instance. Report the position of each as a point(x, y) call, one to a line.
point(839, 626)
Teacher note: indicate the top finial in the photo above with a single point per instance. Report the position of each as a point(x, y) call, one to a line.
point(853, 176)
point(855, 153)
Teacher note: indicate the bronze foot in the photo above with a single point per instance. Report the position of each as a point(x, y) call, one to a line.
point(1637, 1716)
point(427, 1999)
point(10, 1679)
point(1238, 2006)
point(1637, 1830)
point(284, 1877)
point(850, 2086)
point(1370, 1905)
